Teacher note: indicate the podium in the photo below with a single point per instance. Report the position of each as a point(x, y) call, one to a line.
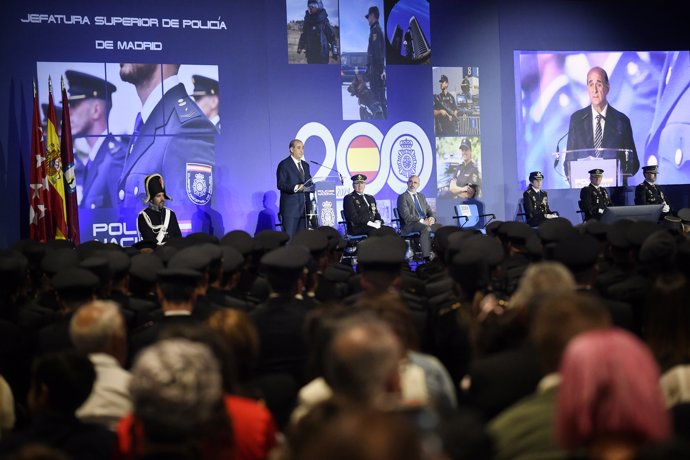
point(578, 162)
point(323, 209)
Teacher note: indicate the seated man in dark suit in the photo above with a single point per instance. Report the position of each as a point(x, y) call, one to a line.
point(594, 198)
point(361, 215)
point(416, 215)
point(648, 192)
point(536, 201)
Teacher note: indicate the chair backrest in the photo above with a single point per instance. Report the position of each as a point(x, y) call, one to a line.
point(469, 210)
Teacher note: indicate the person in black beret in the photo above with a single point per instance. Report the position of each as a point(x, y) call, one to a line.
point(648, 192)
point(156, 222)
point(594, 199)
point(90, 102)
point(361, 214)
point(207, 97)
point(536, 201)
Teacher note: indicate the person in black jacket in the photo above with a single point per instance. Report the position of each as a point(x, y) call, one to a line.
point(594, 198)
point(536, 201)
point(648, 192)
point(317, 38)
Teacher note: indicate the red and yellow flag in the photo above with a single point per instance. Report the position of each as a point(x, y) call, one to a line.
point(56, 182)
point(38, 187)
point(68, 170)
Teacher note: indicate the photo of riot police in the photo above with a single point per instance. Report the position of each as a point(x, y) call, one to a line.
point(363, 61)
point(649, 87)
point(313, 31)
point(456, 101)
point(408, 32)
point(459, 168)
point(132, 120)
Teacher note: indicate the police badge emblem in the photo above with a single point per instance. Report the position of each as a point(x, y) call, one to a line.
point(327, 214)
point(199, 181)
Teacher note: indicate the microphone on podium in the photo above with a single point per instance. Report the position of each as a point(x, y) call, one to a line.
point(558, 149)
point(330, 169)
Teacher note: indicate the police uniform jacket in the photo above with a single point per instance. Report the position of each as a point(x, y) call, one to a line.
point(99, 190)
point(646, 193)
point(536, 204)
point(176, 136)
point(360, 209)
point(467, 174)
point(375, 54)
point(157, 218)
point(592, 200)
point(444, 125)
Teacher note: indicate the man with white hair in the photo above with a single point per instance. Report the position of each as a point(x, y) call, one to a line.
point(98, 329)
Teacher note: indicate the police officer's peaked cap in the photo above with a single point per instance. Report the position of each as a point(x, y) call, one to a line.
point(359, 178)
point(197, 238)
point(185, 276)
point(240, 240)
point(58, 259)
point(615, 234)
point(145, 244)
point(288, 258)
point(552, 230)
point(465, 144)
point(99, 267)
point(314, 241)
point(154, 185)
point(443, 79)
point(232, 259)
point(382, 250)
point(659, 247)
point(493, 226)
point(490, 248)
point(638, 232)
point(650, 169)
point(332, 235)
point(534, 175)
point(118, 262)
point(85, 86)
point(74, 279)
point(145, 267)
point(373, 10)
point(192, 258)
point(578, 252)
point(596, 172)
point(684, 215)
point(517, 232)
point(204, 86)
point(268, 240)
point(595, 228)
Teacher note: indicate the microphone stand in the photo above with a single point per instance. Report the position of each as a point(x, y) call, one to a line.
point(330, 169)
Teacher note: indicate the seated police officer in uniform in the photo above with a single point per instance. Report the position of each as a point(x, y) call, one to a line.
point(157, 223)
point(536, 202)
point(594, 198)
point(416, 215)
point(648, 192)
point(361, 215)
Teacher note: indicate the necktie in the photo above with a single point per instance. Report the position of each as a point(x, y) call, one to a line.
point(301, 171)
point(598, 133)
point(138, 123)
point(421, 212)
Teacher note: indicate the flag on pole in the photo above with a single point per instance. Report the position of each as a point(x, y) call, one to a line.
point(38, 187)
point(56, 182)
point(68, 169)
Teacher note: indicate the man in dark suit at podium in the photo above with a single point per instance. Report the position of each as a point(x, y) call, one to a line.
point(648, 192)
point(292, 175)
point(361, 215)
point(594, 199)
point(601, 126)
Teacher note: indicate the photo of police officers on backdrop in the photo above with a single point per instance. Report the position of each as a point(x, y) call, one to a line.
point(456, 101)
point(313, 31)
point(458, 167)
point(363, 62)
point(131, 120)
